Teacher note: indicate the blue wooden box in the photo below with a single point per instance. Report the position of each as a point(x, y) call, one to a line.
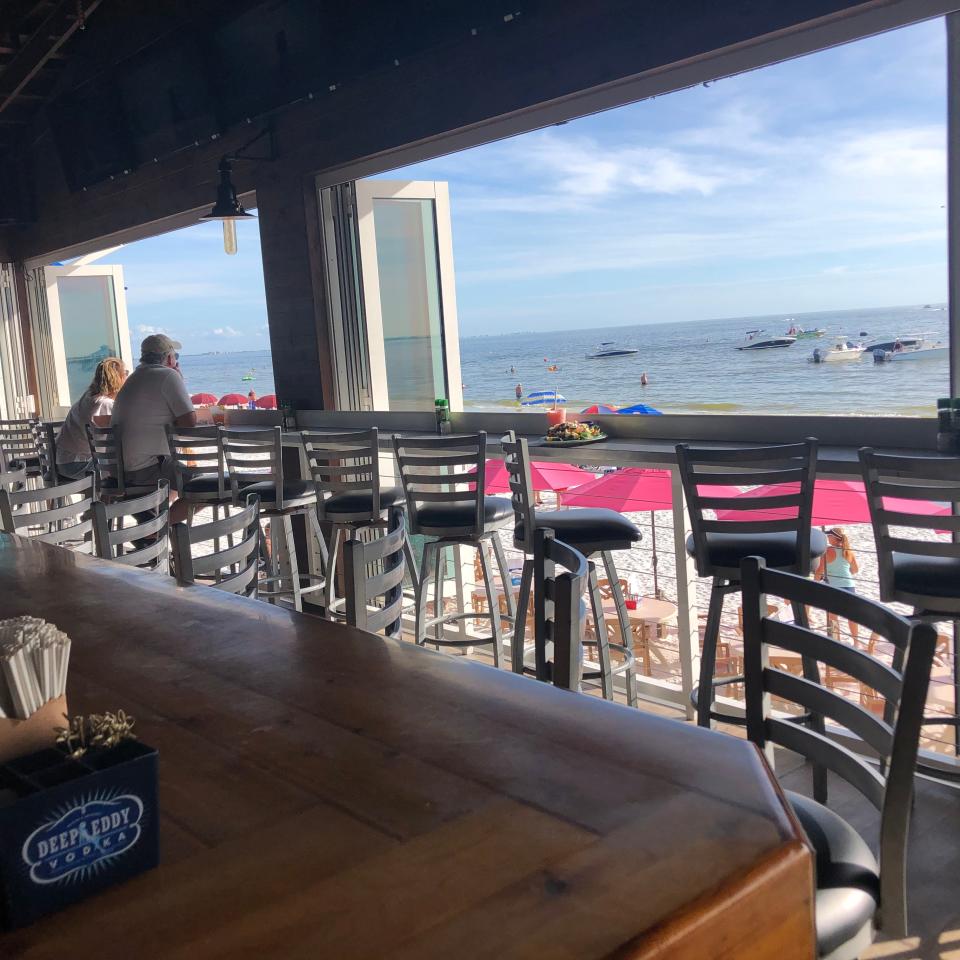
point(71, 827)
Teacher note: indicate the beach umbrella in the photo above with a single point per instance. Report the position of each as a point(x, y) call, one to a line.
point(203, 399)
point(834, 501)
point(544, 475)
point(636, 490)
point(543, 398)
point(599, 408)
point(232, 400)
point(641, 409)
point(269, 402)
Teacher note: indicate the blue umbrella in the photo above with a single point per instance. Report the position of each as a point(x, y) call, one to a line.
point(641, 408)
point(541, 398)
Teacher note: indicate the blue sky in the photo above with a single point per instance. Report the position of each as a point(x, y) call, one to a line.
point(815, 184)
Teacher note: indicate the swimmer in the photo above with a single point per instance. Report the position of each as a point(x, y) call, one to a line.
point(644, 379)
point(519, 390)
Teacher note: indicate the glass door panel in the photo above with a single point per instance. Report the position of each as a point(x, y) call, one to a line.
point(88, 322)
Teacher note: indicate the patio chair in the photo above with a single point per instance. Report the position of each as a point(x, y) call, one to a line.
point(135, 531)
point(18, 441)
point(718, 546)
point(373, 577)
point(924, 574)
point(59, 514)
point(235, 568)
point(442, 480)
point(13, 476)
point(106, 454)
point(45, 437)
point(350, 496)
point(854, 894)
point(558, 610)
point(199, 468)
point(593, 532)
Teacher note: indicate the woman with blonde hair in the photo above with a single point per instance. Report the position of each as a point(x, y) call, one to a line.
point(94, 406)
point(838, 566)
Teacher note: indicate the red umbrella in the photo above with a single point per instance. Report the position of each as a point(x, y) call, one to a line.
point(233, 400)
point(834, 501)
point(269, 402)
point(203, 399)
point(544, 475)
point(634, 490)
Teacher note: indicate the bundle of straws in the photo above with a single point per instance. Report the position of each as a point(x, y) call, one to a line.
point(34, 656)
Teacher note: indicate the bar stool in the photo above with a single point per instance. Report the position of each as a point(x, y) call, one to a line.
point(443, 480)
point(146, 542)
point(59, 514)
point(785, 543)
point(350, 497)
point(106, 453)
point(920, 573)
point(199, 471)
point(593, 533)
point(254, 461)
point(18, 441)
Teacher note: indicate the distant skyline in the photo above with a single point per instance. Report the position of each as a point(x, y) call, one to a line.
point(817, 184)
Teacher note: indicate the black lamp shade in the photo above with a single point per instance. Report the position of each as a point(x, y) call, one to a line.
point(227, 207)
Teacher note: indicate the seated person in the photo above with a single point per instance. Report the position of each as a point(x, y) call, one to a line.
point(153, 397)
point(94, 406)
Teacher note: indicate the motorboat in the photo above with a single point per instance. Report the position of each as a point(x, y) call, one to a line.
point(803, 334)
point(841, 350)
point(889, 345)
point(924, 351)
point(609, 348)
point(759, 340)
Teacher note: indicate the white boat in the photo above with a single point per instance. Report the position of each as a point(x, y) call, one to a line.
point(890, 344)
point(759, 340)
point(609, 348)
point(926, 351)
point(841, 350)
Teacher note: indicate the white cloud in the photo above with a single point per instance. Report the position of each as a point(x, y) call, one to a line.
point(146, 329)
point(226, 331)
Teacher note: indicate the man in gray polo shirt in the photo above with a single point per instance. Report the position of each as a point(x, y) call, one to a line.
point(152, 397)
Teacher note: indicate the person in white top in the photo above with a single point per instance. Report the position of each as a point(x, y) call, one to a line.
point(94, 406)
point(153, 397)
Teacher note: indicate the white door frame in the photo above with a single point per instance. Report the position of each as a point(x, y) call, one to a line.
point(365, 192)
point(51, 275)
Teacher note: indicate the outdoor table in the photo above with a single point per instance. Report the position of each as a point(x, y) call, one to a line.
point(329, 793)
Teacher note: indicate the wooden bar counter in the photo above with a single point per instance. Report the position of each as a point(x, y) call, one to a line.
point(330, 794)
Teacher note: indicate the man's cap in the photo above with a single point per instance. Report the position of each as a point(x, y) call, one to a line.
point(159, 343)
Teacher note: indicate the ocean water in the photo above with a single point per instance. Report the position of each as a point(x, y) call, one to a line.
point(691, 367)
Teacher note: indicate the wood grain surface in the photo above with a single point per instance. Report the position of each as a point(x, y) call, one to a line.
point(330, 794)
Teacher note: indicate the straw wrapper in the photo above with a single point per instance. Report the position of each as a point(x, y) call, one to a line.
point(33, 665)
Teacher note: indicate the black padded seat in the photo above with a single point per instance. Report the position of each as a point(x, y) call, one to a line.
point(847, 874)
point(296, 493)
point(777, 549)
point(587, 530)
point(204, 483)
point(496, 512)
point(927, 576)
point(360, 501)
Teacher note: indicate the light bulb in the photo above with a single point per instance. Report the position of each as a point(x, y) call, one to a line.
point(230, 237)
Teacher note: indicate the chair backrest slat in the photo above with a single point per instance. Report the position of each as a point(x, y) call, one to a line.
point(58, 514)
point(789, 468)
point(135, 532)
point(517, 462)
point(903, 688)
point(253, 456)
point(373, 578)
point(457, 465)
point(234, 567)
point(18, 439)
point(344, 463)
point(197, 452)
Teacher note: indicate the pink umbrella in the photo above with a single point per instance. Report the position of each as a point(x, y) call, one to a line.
point(834, 501)
point(232, 400)
point(269, 402)
point(544, 475)
point(635, 490)
point(203, 399)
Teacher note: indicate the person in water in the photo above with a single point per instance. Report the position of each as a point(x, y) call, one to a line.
point(838, 566)
point(519, 390)
point(644, 379)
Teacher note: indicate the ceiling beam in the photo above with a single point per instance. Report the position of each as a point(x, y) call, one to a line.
point(52, 34)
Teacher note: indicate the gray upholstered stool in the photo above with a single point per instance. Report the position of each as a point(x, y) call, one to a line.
point(718, 546)
point(443, 479)
point(593, 533)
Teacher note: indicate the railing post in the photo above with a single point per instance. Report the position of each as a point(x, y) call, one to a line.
point(688, 633)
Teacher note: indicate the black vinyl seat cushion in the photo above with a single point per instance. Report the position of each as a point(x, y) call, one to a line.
point(585, 529)
point(778, 549)
point(360, 501)
point(296, 493)
point(496, 512)
point(847, 874)
point(927, 576)
point(205, 483)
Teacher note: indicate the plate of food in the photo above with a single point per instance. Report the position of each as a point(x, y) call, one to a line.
point(572, 433)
